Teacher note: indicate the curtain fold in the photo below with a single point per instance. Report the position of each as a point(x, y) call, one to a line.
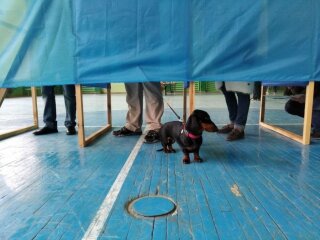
point(45, 42)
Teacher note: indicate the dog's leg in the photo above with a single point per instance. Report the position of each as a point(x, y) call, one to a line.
point(171, 150)
point(186, 158)
point(196, 156)
point(168, 149)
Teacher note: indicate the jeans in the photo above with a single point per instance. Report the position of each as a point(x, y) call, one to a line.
point(50, 114)
point(238, 108)
point(256, 91)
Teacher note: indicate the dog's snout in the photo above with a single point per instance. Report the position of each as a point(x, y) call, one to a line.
point(210, 127)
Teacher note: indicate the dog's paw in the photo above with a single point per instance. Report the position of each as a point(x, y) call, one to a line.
point(186, 160)
point(198, 159)
point(169, 150)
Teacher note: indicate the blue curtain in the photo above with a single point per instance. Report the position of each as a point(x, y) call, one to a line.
point(45, 42)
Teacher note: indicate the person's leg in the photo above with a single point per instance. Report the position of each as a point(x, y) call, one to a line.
point(154, 110)
point(295, 108)
point(315, 124)
point(231, 102)
point(134, 100)
point(316, 118)
point(49, 113)
point(241, 119)
point(256, 91)
point(69, 94)
point(232, 106)
point(242, 111)
point(154, 104)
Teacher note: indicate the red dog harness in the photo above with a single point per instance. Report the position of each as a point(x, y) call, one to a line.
point(189, 135)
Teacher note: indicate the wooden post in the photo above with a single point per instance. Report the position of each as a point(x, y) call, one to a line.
point(35, 106)
point(83, 140)
point(3, 92)
point(308, 113)
point(81, 133)
point(262, 103)
point(192, 92)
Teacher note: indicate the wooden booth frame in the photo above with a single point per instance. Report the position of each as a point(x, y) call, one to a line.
point(305, 137)
point(3, 92)
point(83, 140)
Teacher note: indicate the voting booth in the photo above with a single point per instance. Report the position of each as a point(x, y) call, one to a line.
point(45, 42)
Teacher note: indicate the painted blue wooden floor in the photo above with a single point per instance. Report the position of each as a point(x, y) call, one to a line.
point(262, 187)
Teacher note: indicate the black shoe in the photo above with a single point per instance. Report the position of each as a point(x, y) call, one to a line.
point(71, 130)
point(152, 137)
point(123, 132)
point(45, 130)
point(235, 134)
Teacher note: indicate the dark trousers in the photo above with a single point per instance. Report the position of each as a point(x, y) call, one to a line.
point(296, 108)
point(256, 91)
point(50, 114)
point(238, 108)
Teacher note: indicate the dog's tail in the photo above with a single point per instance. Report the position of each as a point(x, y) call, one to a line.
point(160, 150)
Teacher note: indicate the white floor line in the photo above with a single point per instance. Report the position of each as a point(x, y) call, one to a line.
point(96, 226)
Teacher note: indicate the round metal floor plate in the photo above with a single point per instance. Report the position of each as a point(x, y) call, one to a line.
point(151, 206)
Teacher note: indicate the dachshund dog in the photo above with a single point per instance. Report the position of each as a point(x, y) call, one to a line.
point(188, 136)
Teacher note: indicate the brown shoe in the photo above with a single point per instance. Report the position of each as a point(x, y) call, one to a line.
point(226, 129)
point(235, 134)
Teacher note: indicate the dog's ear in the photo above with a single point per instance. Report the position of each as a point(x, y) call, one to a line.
point(203, 116)
point(192, 122)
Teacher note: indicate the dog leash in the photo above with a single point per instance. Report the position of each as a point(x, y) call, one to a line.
point(184, 130)
point(174, 112)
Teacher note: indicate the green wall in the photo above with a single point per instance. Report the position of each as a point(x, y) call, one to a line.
point(176, 88)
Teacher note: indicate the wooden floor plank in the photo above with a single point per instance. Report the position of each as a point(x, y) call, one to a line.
point(160, 229)
point(294, 196)
point(299, 175)
point(241, 209)
point(280, 214)
point(53, 191)
point(245, 210)
point(172, 223)
point(233, 160)
point(240, 226)
point(207, 220)
point(257, 185)
point(221, 208)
